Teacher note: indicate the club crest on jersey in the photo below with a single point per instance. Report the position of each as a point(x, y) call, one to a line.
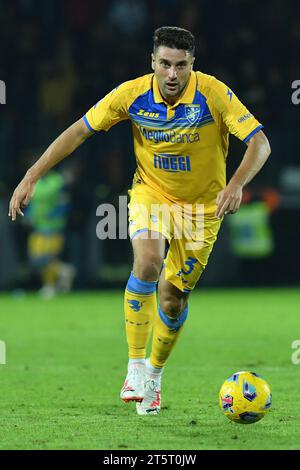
point(192, 112)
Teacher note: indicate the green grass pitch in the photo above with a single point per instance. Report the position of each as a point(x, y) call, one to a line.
point(66, 361)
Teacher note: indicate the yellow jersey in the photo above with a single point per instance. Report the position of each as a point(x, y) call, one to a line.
point(180, 149)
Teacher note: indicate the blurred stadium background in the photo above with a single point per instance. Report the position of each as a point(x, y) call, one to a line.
point(59, 57)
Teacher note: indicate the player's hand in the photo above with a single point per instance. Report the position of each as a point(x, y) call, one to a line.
point(229, 199)
point(20, 198)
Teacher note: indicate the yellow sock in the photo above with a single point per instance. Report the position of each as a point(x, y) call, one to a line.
point(140, 304)
point(165, 334)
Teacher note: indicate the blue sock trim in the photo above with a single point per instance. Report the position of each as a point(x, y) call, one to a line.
point(137, 286)
point(171, 323)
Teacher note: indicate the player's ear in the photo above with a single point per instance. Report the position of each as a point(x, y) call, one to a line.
point(192, 64)
point(152, 61)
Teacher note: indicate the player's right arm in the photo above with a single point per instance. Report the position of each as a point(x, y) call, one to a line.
point(60, 148)
point(107, 112)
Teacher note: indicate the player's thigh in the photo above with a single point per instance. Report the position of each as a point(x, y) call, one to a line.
point(186, 260)
point(147, 232)
point(149, 252)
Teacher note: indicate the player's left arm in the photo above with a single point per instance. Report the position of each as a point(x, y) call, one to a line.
point(234, 118)
point(230, 198)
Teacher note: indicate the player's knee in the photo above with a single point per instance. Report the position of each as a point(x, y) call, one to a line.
point(148, 267)
point(172, 306)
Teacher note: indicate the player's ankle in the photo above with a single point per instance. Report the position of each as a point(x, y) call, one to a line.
point(152, 370)
point(136, 362)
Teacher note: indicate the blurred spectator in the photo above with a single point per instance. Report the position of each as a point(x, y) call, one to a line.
point(48, 215)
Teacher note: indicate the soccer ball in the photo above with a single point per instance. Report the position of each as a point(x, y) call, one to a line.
point(245, 397)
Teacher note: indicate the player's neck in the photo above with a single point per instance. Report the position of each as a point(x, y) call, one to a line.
point(171, 100)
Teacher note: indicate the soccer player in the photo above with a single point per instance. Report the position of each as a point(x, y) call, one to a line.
point(48, 216)
point(181, 121)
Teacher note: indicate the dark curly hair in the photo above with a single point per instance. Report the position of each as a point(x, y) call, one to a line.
point(175, 38)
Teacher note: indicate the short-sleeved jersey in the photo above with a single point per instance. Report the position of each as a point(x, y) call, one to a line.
point(180, 149)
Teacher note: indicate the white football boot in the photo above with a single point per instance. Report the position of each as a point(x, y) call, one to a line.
point(133, 387)
point(152, 394)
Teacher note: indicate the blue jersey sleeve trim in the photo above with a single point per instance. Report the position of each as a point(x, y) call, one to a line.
point(257, 129)
point(88, 124)
point(139, 231)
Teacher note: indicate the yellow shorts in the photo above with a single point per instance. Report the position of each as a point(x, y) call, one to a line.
point(45, 247)
point(190, 233)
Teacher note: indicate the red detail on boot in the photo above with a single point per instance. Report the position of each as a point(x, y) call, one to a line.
point(156, 403)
